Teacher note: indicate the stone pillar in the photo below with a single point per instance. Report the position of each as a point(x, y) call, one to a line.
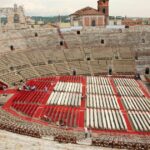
point(10, 19)
point(21, 14)
point(71, 21)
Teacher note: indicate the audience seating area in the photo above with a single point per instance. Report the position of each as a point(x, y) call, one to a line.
point(115, 109)
point(140, 120)
point(43, 55)
point(135, 103)
point(14, 124)
point(102, 101)
point(58, 105)
point(69, 116)
point(105, 119)
point(122, 141)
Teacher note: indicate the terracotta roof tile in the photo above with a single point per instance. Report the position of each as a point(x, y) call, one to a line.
point(87, 11)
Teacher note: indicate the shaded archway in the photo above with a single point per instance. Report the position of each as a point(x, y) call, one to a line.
point(147, 70)
point(110, 71)
point(3, 19)
point(104, 11)
point(16, 18)
point(93, 23)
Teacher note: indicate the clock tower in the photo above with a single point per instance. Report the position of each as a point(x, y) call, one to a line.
point(103, 8)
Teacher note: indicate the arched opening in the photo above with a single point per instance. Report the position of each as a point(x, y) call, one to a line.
point(74, 72)
point(12, 48)
point(11, 68)
point(110, 71)
point(88, 58)
point(136, 56)
point(104, 10)
point(61, 43)
point(32, 26)
point(36, 34)
point(93, 23)
point(49, 62)
point(147, 71)
point(143, 40)
point(127, 27)
point(16, 18)
point(78, 32)
point(102, 41)
point(3, 20)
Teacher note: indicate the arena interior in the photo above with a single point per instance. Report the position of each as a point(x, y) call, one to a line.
point(77, 86)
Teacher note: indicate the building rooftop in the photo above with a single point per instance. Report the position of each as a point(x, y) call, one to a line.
point(87, 11)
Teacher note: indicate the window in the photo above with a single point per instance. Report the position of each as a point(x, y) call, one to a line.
point(32, 26)
point(143, 40)
point(127, 27)
point(36, 34)
point(78, 32)
point(74, 73)
point(16, 18)
point(12, 48)
point(93, 23)
point(102, 41)
point(3, 20)
point(110, 71)
point(115, 23)
point(12, 68)
point(104, 10)
point(147, 71)
point(88, 58)
point(61, 43)
point(49, 62)
point(136, 57)
point(116, 57)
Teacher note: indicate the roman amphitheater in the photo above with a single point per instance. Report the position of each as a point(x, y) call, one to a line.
point(81, 87)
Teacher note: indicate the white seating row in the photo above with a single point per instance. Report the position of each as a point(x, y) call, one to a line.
point(140, 120)
point(130, 91)
point(99, 89)
point(136, 103)
point(102, 101)
point(65, 99)
point(98, 80)
point(105, 119)
point(125, 82)
point(68, 87)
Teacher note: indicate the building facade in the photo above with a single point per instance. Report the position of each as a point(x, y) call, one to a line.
point(14, 17)
point(89, 16)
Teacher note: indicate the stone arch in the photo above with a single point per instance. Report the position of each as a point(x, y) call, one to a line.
point(147, 70)
point(3, 19)
point(16, 18)
point(93, 23)
point(104, 10)
point(5, 13)
point(14, 15)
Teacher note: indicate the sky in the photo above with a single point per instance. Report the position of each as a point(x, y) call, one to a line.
point(129, 8)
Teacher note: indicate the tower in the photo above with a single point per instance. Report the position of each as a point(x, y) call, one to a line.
point(103, 7)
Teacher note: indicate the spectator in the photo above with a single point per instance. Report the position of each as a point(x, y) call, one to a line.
point(46, 89)
point(86, 132)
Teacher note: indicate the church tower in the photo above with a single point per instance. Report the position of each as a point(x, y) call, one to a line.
point(103, 7)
